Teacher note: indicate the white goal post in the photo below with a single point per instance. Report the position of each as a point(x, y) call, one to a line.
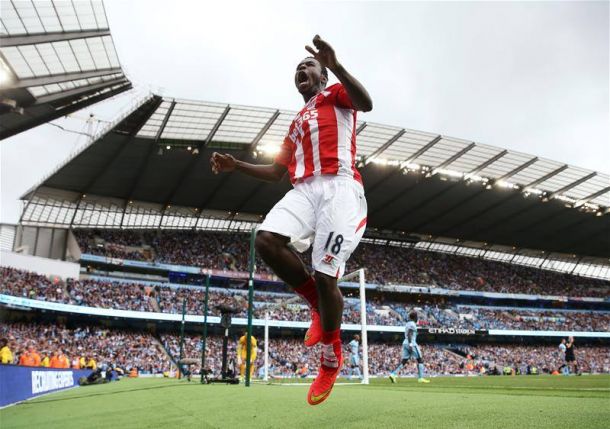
point(359, 275)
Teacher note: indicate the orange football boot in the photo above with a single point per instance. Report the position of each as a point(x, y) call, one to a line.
point(330, 367)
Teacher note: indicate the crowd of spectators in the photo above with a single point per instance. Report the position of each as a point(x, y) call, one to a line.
point(112, 243)
point(398, 265)
point(288, 357)
point(29, 285)
point(386, 264)
point(220, 251)
point(472, 317)
point(545, 358)
point(192, 349)
point(106, 294)
point(286, 307)
point(125, 349)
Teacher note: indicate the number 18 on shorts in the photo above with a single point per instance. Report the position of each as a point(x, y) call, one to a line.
point(331, 210)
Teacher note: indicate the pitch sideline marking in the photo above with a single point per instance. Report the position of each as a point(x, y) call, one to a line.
point(593, 389)
point(308, 384)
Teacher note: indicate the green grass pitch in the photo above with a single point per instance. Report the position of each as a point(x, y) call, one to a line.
point(525, 402)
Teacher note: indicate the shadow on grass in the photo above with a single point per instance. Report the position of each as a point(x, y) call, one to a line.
point(139, 389)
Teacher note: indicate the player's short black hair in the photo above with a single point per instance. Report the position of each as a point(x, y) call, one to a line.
point(413, 315)
point(324, 69)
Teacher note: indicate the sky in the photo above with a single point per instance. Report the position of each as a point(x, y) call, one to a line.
point(531, 77)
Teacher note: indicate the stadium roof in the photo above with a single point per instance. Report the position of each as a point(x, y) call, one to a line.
point(55, 58)
point(153, 164)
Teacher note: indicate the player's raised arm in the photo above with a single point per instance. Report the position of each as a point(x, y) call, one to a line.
point(224, 163)
point(326, 57)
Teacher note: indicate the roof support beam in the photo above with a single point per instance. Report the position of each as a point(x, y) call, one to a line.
point(43, 119)
point(71, 225)
point(153, 145)
point(591, 197)
point(111, 159)
point(12, 75)
point(34, 39)
point(27, 206)
point(263, 130)
point(486, 164)
point(496, 204)
point(546, 177)
point(455, 156)
point(121, 147)
point(518, 169)
point(168, 114)
point(576, 265)
point(383, 147)
point(529, 185)
point(546, 257)
point(514, 256)
point(214, 129)
point(453, 186)
point(572, 185)
point(251, 147)
point(194, 158)
point(395, 171)
point(422, 150)
point(64, 77)
point(360, 128)
point(82, 90)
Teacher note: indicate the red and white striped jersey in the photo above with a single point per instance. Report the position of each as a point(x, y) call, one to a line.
point(322, 138)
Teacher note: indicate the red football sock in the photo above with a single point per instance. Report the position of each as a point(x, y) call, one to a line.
point(331, 349)
point(309, 292)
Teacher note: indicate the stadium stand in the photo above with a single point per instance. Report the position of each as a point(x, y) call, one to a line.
point(126, 349)
point(288, 356)
point(141, 297)
point(390, 264)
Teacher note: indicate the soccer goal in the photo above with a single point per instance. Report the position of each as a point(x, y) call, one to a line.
point(358, 277)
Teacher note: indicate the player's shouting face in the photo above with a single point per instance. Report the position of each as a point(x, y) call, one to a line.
point(310, 77)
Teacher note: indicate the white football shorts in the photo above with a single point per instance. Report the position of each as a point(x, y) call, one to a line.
point(328, 210)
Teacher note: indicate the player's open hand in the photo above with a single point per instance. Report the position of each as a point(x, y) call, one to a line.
point(325, 53)
point(222, 163)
